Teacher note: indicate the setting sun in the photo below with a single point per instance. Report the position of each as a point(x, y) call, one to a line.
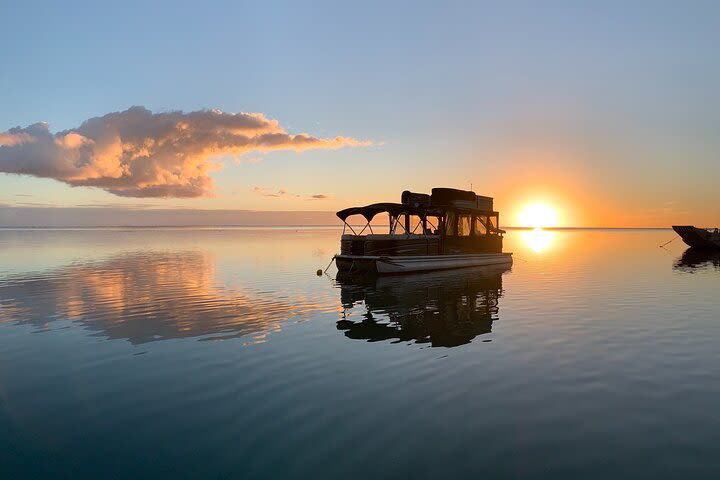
point(538, 215)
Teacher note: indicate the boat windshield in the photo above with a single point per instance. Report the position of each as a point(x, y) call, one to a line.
point(464, 225)
point(408, 224)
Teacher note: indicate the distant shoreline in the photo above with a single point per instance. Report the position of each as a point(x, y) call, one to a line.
point(273, 227)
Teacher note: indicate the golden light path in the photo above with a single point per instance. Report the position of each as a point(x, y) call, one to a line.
point(538, 215)
point(538, 240)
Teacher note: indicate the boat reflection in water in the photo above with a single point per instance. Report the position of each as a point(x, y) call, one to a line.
point(698, 259)
point(443, 309)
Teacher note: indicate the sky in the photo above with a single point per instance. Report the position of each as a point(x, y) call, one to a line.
point(608, 112)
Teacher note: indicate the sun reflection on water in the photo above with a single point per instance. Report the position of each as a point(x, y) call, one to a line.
point(538, 240)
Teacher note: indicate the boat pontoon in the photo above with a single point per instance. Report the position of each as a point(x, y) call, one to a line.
point(448, 229)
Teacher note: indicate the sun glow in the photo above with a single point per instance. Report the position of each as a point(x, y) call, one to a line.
point(538, 215)
point(538, 240)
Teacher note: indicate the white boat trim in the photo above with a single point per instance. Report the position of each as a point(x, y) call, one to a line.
point(424, 263)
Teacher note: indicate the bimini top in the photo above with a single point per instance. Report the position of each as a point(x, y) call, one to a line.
point(441, 200)
point(369, 211)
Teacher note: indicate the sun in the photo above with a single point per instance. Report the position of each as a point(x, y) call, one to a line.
point(538, 215)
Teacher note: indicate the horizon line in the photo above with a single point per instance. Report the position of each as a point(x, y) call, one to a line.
point(99, 227)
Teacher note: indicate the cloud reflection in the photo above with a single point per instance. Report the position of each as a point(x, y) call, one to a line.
point(144, 297)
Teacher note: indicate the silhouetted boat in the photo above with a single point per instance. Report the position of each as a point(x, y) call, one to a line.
point(698, 237)
point(448, 229)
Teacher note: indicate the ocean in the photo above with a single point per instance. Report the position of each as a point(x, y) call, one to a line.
point(220, 353)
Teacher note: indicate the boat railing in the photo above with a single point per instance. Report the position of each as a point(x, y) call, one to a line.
point(388, 236)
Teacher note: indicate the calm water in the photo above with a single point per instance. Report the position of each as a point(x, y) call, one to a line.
point(219, 353)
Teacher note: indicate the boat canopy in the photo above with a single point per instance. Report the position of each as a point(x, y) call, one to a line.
point(449, 205)
point(441, 201)
point(394, 209)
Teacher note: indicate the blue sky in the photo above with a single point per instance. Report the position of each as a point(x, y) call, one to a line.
point(565, 102)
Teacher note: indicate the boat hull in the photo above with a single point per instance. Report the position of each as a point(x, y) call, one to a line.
point(389, 265)
point(697, 237)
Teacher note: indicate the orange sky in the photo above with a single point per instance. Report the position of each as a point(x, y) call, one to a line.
point(608, 113)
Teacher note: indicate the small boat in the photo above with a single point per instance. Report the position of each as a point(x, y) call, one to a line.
point(698, 237)
point(447, 229)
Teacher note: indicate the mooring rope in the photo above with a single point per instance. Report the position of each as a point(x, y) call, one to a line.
point(668, 243)
point(329, 264)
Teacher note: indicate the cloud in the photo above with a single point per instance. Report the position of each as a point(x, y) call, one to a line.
point(11, 139)
point(267, 192)
point(137, 153)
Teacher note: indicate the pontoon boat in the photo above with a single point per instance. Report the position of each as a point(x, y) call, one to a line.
point(448, 229)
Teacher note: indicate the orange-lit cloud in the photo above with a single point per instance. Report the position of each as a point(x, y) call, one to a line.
point(11, 139)
point(266, 192)
point(137, 153)
point(281, 192)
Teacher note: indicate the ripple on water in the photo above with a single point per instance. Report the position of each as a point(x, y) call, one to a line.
point(602, 361)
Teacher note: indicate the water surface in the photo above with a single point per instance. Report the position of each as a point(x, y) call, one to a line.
point(219, 353)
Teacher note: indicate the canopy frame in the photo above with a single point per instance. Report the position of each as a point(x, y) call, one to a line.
point(395, 210)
